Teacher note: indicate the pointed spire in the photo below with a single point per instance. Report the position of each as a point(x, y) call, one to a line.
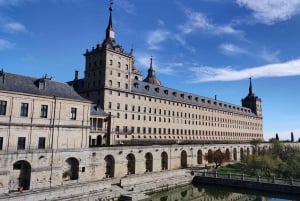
point(151, 78)
point(110, 33)
point(250, 88)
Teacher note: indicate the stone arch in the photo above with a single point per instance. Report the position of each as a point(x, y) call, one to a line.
point(109, 166)
point(99, 140)
point(149, 162)
point(24, 177)
point(183, 159)
point(199, 157)
point(241, 153)
point(248, 151)
point(72, 169)
point(227, 154)
point(210, 156)
point(164, 160)
point(234, 154)
point(130, 164)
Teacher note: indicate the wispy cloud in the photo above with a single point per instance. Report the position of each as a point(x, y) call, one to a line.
point(206, 73)
point(14, 27)
point(5, 44)
point(271, 11)
point(198, 21)
point(126, 5)
point(156, 37)
point(270, 56)
point(231, 49)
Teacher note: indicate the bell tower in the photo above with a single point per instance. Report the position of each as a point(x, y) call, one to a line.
point(253, 102)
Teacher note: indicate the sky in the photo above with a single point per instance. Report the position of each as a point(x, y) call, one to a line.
point(206, 47)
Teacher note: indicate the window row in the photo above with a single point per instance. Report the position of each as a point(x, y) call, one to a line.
point(21, 143)
point(150, 130)
point(24, 108)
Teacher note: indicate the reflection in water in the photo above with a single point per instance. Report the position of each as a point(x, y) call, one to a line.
point(207, 193)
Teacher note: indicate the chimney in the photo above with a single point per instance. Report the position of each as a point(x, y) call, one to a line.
point(76, 75)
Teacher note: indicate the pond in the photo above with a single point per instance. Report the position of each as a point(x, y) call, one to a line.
point(217, 193)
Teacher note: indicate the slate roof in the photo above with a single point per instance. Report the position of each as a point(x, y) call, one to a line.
point(97, 111)
point(37, 86)
point(185, 97)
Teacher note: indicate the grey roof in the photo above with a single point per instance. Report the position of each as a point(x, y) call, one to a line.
point(37, 86)
point(96, 110)
point(185, 97)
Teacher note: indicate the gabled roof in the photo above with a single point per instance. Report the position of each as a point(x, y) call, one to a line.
point(37, 86)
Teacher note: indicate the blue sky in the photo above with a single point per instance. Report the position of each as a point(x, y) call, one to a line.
point(207, 47)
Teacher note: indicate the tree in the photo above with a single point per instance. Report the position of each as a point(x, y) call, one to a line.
point(292, 137)
point(218, 157)
point(277, 138)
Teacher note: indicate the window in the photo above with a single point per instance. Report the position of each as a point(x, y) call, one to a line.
point(109, 105)
point(126, 86)
point(73, 113)
point(21, 143)
point(110, 82)
point(119, 65)
point(1, 143)
point(119, 84)
point(42, 143)
point(44, 111)
point(118, 106)
point(3, 107)
point(24, 110)
point(126, 107)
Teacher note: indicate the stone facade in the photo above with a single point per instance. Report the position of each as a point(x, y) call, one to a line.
point(145, 112)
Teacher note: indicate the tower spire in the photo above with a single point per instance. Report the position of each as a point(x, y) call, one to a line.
point(250, 87)
point(110, 33)
point(151, 78)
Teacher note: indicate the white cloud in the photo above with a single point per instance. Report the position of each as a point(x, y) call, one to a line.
point(156, 37)
point(5, 44)
point(271, 11)
point(198, 21)
point(14, 27)
point(206, 73)
point(228, 48)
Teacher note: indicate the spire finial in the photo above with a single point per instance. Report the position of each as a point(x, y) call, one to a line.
point(151, 61)
point(110, 5)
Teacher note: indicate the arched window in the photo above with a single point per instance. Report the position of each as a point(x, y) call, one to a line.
point(149, 162)
point(110, 166)
point(130, 164)
point(183, 159)
point(164, 161)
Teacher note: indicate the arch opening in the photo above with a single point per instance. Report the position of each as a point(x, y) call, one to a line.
point(149, 162)
point(109, 166)
point(24, 173)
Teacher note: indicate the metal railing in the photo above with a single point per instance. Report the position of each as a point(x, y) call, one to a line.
point(242, 177)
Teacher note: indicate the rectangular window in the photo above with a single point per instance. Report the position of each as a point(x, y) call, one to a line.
point(21, 143)
point(3, 107)
point(1, 143)
point(44, 111)
point(73, 113)
point(24, 110)
point(42, 143)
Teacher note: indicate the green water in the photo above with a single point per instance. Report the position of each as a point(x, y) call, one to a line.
point(217, 193)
